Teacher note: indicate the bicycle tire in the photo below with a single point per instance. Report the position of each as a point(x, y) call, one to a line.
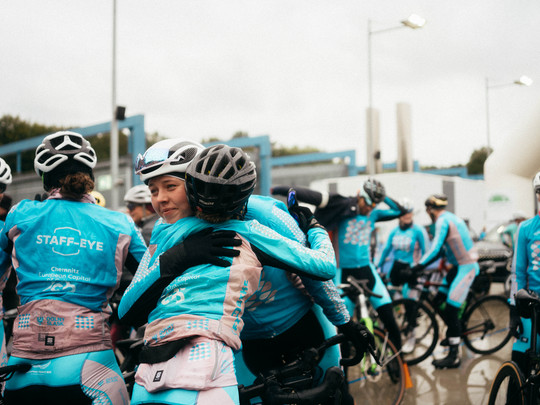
point(508, 382)
point(372, 384)
point(486, 325)
point(426, 331)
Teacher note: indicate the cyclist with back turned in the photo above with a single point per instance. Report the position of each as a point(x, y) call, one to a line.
point(452, 236)
point(68, 253)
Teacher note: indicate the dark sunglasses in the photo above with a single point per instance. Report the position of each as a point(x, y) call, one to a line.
point(2, 188)
point(131, 206)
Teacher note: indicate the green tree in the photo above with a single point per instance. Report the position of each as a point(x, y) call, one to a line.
point(14, 129)
point(477, 160)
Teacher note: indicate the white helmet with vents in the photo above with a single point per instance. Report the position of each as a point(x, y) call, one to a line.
point(171, 156)
point(62, 147)
point(139, 195)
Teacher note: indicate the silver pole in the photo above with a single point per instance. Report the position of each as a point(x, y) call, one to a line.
point(487, 116)
point(114, 122)
point(369, 141)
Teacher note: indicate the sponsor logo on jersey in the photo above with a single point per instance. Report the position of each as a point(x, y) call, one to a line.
point(67, 241)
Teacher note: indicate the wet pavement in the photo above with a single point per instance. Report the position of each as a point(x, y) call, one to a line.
point(468, 384)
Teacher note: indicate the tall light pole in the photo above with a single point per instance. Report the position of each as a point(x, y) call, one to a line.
point(114, 121)
point(414, 22)
point(522, 81)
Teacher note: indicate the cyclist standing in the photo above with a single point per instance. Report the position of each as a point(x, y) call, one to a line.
point(139, 204)
point(525, 274)
point(194, 311)
point(407, 243)
point(68, 253)
point(353, 219)
point(452, 235)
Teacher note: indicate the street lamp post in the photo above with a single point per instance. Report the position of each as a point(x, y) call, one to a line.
point(414, 22)
point(114, 156)
point(522, 81)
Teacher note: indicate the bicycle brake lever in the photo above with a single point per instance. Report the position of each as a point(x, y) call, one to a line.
point(373, 354)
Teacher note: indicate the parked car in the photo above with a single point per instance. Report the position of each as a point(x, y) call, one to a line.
point(495, 256)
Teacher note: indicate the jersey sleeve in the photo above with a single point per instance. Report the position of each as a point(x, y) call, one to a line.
point(395, 210)
point(141, 295)
point(327, 296)
point(520, 263)
point(136, 250)
point(423, 240)
point(387, 248)
point(272, 249)
point(441, 232)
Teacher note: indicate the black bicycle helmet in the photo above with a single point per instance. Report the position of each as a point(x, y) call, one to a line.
point(63, 153)
point(220, 180)
point(436, 201)
point(373, 192)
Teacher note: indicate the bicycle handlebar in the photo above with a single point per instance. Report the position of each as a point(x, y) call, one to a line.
point(274, 387)
point(332, 381)
point(274, 392)
point(358, 286)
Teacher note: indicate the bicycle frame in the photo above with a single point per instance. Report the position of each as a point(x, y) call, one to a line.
point(363, 317)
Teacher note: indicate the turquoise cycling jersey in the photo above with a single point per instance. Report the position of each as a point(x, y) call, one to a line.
point(68, 256)
point(405, 244)
point(526, 262)
point(209, 300)
point(452, 235)
point(281, 299)
point(354, 234)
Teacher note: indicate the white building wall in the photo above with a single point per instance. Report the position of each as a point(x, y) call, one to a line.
point(469, 195)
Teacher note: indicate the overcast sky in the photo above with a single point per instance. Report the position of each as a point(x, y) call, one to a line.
point(295, 70)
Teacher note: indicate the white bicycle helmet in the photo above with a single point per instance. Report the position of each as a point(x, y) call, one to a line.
point(406, 204)
point(62, 147)
point(536, 183)
point(138, 194)
point(171, 156)
point(5, 175)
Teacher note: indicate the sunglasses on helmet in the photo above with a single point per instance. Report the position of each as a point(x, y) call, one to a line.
point(151, 158)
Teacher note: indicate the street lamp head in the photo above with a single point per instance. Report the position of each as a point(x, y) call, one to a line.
point(414, 21)
point(524, 81)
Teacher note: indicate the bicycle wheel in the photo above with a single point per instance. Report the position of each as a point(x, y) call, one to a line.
point(486, 325)
point(373, 384)
point(426, 330)
point(507, 386)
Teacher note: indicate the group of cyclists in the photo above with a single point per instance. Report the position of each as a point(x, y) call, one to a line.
point(222, 283)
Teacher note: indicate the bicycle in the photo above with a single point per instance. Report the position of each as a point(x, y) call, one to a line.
point(511, 385)
point(484, 320)
point(371, 382)
point(295, 383)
